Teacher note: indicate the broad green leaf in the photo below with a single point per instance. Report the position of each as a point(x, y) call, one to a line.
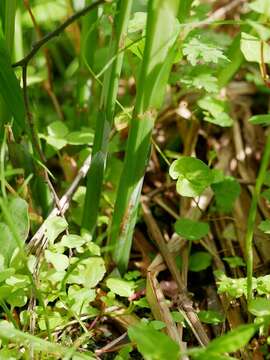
point(120, 287)
point(261, 30)
point(59, 261)
point(191, 229)
point(57, 129)
point(19, 212)
point(55, 319)
point(260, 119)
point(10, 89)
point(193, 175)
point(72, 241)
point(16, 297)
point(153, 344)
point(265, 226)
point(138, 22)
point(226, 192)
point(215, 111)
point(259, 307)
point(210, 317)
point(54, 226)
point(199, 261)
point(251, 48)
point(88, 273)
point(8, 243)
point(261, 7)
point(232, 341)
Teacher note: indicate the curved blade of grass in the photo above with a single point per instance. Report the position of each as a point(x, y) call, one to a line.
point(159, 52)
point(105, 120)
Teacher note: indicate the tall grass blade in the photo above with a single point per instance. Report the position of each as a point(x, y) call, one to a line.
point(159, 52)
point(105, 120)
point(10, 89)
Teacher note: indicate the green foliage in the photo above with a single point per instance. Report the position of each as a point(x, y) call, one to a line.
point(153, 344)
point(251, 48)
point(193, 176)
point(210, 317)
point(259, 307)
point(199, 261)
point(120, 287)
point(215, 111)
point(191, 229)
point(260, 120)
point(198, 48)
point(226, 192)
point(232, 341)
point(265, 226)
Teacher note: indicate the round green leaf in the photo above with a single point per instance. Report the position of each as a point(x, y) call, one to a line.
point(191, 229)
point(259, 307)
point(199, 261)
point(193, 175)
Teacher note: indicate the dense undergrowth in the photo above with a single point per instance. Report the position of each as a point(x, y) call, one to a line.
point(135, 190)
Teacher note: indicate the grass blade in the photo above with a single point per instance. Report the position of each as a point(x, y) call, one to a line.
point(159, 52)
point(106, 114)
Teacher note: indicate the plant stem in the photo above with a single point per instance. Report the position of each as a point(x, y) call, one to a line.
point(252, 216)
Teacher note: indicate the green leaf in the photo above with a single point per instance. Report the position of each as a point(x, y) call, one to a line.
point(199, 49)
point(260, 119)
point(216, 111)
point(266, 194)
point(234, 261)
point(59, 261)
point(152, 344)
point(19, 212)
point(251, 48)
point(210, 317)
point(191, 229)
point(138, 22)
point(120, 287)
point(10, 243)
point(72, 241)
point(232, 341)
point(55, 319)
point(226, 192)
point(83, 137)
point(10, 88)
point(80, 298)
point(57, 129)
point(265, 226)
point(199, 261)
point(193, 175)
point(261, 30)
point(261, 7)
point(54, 226)
point(88, 273)
point(259, 307)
